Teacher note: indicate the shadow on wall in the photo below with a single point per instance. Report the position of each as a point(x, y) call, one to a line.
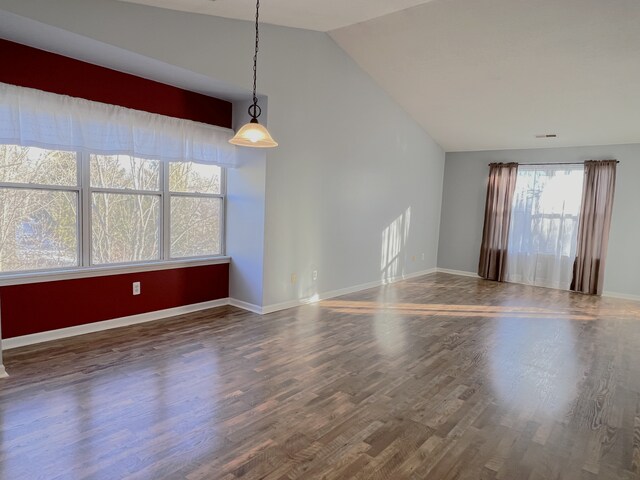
point(394, 240)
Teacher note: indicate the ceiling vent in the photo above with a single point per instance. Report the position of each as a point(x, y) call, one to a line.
point(547, 135)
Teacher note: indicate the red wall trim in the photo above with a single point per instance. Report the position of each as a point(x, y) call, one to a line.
point(30, 67)
point(40, 307)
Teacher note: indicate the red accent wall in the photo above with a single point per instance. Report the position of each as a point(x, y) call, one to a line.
point(39, 307)
point(30, 67)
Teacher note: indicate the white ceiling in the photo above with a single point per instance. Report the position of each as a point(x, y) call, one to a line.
point(484, 74)
point(491, 74)
point(322, 15)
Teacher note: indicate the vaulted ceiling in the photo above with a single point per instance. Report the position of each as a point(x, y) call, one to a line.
point(485, 74)
point(322, 15)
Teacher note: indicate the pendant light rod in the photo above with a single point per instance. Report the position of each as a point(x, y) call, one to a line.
point(255, 110)
point(253, 134)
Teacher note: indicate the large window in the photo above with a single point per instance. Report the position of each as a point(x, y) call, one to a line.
point(196, 209)
point(73, 209)
point(544, 225)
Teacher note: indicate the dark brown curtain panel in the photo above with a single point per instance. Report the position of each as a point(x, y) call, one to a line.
point(595, 222)
point(497, 216)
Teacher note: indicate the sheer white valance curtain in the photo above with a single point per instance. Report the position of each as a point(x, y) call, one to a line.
point(32, 117)
point(544, 225)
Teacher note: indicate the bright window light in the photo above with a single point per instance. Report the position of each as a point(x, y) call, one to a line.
point(75, 209)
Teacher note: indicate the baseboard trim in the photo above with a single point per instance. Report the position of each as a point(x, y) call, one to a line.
point(622, 296)
point(246, 306)
point(460, 273)
point(276, 307)
point(409, 276)
point(34, 338)
point(109, 324)
point(3, 372)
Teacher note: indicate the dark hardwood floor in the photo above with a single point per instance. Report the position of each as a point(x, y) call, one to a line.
point(439, 377)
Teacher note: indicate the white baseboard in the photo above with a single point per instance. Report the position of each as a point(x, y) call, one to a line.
point(623, 296)
point(409, 276)
point(460, 273)
point(245, 306)
point(276, 307)
point(172, 312)
point(3, 372)
point(108, 324)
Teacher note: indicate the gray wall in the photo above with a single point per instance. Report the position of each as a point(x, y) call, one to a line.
point(464, 197)
point(352, 164)
point(246, 186)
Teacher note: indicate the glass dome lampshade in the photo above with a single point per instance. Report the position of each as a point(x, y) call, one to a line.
point(253, 135)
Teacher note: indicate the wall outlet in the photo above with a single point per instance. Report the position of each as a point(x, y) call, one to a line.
point(136, 288)
point(423, 256)
point(294, 279)
point(314, 275)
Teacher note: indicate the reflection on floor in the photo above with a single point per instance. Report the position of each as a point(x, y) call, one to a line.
point(439, 377)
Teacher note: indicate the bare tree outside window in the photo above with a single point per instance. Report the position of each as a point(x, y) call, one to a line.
point(125, 227)
point(127, 201)
point(38, 216)
point(196, 209)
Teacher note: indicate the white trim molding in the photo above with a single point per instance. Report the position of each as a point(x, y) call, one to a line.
point(276, 307)
point(246, 306)
point(3, 372)
point(86, 272)
point(460, 273)
point(622, 296)
point(172, 312)
point(109, 324)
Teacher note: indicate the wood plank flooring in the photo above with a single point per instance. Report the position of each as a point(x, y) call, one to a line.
point(439, 377)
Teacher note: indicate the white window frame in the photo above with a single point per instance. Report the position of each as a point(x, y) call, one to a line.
point(84, 191)
point(166, 212)
point(77, 189)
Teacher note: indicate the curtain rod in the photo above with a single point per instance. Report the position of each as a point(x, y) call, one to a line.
point(557, 163)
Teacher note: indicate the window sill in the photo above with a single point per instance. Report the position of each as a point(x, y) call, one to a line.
point(88, 272)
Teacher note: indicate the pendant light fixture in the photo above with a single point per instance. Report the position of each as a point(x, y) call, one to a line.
point(253, 134)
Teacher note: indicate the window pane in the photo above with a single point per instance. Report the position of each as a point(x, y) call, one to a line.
point(36, 165)
point(543, 236)
point(546, 210)
point(194, 178)
point(38, 229)
point(195, 226)
point(124, 172)
point(125, 228)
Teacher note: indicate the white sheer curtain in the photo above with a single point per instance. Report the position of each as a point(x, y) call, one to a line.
point(544, 225)
point(31, 117)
